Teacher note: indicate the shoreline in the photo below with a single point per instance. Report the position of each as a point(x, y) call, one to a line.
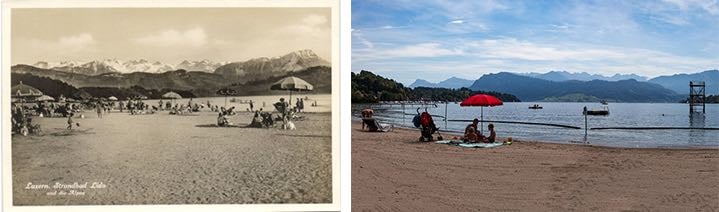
point(355, 120)
point(392, 171)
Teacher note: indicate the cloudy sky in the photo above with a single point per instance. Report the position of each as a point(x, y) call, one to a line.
point(435, 39)
point(169, 35)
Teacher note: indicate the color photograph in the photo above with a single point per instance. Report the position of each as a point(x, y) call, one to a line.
point(535, 105)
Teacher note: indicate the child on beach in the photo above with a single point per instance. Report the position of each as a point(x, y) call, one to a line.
point(492, 134)
point(70, 121)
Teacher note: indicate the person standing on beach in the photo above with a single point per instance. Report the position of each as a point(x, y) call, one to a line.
point(99, 109)
point(69, 121)
point(252, 106)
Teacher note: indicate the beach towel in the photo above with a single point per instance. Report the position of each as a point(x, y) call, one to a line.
point(461, 143)
point(481, 145)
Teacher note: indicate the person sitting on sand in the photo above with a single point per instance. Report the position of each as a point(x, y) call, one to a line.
point(472, 129)
point(256, 120)
point(471, 135)
point(492, 134)
point(222, 120)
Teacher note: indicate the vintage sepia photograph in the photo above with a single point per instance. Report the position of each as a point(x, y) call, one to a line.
point(172, 105)
point(577, 105)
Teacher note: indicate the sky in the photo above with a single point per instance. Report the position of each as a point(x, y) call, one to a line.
point(168, 35)
point(437, 39)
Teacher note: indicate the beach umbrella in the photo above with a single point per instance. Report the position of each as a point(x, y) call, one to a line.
point(171, 95)
point(292, 84)
point(112, 98)
point(45, 98)
point(481, 100)
point(226, 92)
point(22, 91)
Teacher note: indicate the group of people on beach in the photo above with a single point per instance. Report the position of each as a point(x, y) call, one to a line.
point(473, 134)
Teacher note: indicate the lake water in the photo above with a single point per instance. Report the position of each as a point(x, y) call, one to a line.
point(621, 115)
point(324, 101)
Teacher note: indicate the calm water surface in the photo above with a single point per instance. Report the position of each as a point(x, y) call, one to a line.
point(621, 115)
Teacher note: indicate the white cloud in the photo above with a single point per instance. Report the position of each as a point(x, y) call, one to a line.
point(314, 19)
point(195, 37)
point(514, 49)
point(458, 21)
point(357, 34)
point(710, 6)
point(77, 41)
point(421, 50)
point(83, 42)
point(311, 25)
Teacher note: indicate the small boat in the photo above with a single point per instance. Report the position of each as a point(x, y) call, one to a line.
point(604, 102)
point(597, 112)
point(535, 107)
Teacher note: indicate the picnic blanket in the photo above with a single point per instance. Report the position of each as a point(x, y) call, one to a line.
point(461, 143)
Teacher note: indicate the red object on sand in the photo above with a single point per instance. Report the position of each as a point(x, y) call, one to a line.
point(483, 100)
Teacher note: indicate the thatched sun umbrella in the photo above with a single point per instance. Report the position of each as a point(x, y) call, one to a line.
point(22, 91)
point(292, 84)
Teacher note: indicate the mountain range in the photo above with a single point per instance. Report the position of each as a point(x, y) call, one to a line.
point(452, 82)
point(680, 82)
point(199, 83)
point(263, 68)
point(97, 67)
point(535, 89)
point(251, 77)
point(582, 76)
point(253, 69)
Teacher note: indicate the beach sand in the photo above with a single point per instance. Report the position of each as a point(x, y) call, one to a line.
point(168, 159)
point(393, 172)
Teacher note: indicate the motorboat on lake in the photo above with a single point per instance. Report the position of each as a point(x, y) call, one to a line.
point(597, 112)
point(535, 107)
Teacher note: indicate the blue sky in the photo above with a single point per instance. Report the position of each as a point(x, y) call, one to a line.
point(435, 39)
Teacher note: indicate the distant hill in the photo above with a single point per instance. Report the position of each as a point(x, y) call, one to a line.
point(452, 82)
point(680, 82)
point(368, 87)
point(559, 76)
point(534, 89)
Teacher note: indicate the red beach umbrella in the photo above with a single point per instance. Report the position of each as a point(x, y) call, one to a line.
point(481, 100)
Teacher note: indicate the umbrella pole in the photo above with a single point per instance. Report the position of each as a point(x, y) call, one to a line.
point(481, 116)
point(290, 98)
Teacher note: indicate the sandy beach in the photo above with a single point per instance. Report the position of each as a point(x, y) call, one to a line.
point(169, 159)
point(393, 172)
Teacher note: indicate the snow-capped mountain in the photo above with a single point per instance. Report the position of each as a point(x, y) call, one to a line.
point(258, 68)
point(263, 68)
point(113, 65)
point(201, 65)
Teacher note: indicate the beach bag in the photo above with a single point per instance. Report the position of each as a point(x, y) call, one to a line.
point(415, 121)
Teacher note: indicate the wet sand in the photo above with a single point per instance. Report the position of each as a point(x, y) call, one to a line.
point(168, 159)
point(393, 172)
